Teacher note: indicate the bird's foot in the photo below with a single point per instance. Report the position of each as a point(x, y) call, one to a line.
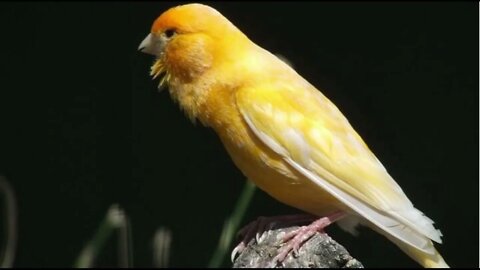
point(261, 225)
point(296, 238)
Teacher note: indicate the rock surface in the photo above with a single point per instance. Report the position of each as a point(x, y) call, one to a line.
point(320, 251)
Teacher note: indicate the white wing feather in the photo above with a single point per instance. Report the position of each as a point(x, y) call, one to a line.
point(405, 223)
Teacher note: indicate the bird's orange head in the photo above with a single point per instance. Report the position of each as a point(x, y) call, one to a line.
point(188, 39)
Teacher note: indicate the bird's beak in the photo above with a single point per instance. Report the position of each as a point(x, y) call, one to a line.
point(146, 45)
point(152, 45)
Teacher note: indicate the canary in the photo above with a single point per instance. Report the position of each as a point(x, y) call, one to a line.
point(281, 132)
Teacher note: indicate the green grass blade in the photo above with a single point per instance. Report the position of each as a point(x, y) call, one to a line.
point(8, 251)
point(161, 247)
point(115, 218)
point(231, 225)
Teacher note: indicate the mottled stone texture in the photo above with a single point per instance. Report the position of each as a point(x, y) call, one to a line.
point(320, 251)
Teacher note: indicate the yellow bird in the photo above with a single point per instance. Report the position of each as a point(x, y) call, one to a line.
point(281, 132)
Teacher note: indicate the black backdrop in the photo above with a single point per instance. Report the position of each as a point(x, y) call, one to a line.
point(82, 125)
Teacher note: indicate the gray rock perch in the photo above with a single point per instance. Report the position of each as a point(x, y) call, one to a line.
point(320, 251)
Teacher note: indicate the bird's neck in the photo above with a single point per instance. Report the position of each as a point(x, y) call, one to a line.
point(210, 97)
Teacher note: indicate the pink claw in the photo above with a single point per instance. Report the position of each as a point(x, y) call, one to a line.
point(248, 232)
point(258, 227)
point(295, 239)
point(238, 249)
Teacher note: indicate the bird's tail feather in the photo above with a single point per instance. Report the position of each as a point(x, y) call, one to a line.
point(434, 260)
point(428, 257)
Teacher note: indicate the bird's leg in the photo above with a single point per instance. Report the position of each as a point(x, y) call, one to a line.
point(295, 239)
point(258, 227)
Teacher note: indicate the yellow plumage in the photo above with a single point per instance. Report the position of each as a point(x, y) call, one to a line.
point(280, 131)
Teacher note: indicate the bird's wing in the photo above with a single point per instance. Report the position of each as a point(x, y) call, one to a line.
point(313, 136)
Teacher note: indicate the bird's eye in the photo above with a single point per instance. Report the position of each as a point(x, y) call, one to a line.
point(169, 33)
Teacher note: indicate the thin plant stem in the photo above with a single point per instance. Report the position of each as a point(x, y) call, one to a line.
point(114, 219)
point(8, 251)
point(125, 248)
point(231, 225)
point(161, 247)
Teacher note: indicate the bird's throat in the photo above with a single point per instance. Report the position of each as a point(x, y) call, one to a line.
point(158, 70)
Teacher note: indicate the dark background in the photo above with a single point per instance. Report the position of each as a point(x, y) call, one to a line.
point(83, 126)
